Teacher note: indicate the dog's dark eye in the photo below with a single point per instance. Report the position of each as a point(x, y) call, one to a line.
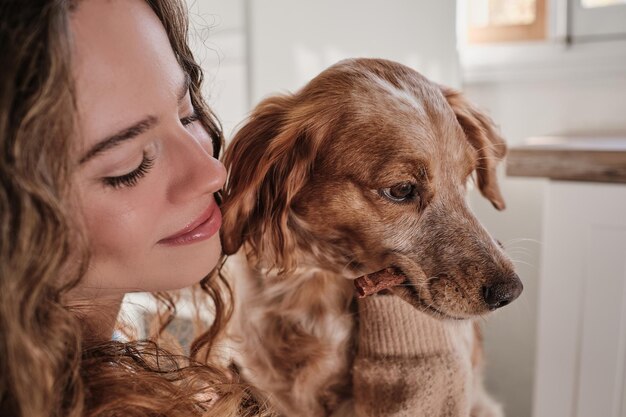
point(404, 191)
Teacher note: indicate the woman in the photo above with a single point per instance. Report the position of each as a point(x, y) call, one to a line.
point(110, 179)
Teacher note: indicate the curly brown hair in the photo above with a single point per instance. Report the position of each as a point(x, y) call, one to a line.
point(47, 366)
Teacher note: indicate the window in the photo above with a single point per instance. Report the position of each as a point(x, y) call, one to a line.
point(506, 20)
point(532, 39)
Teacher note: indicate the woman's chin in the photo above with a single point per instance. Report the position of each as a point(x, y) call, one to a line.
point(191, 264)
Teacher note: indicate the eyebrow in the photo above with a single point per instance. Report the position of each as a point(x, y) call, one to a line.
point(133, 131)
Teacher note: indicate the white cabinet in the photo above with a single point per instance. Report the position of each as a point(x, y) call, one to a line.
point(581, 355)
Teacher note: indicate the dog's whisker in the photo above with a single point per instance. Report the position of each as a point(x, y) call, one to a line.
point(524, 251)
point(523, 239)
point(517, 246)
point(487, 158)
point(521, 257)
point(486, 146)
point(519, 262)
point(518, 252)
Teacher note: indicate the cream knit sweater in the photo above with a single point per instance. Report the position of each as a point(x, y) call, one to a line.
point(409, 364)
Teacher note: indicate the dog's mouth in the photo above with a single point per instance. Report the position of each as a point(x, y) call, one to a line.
point(397, 281)
point(409, 293)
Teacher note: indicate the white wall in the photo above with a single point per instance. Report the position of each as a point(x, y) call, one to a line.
point(218, 39)
point(292, 41)
point(590, 104)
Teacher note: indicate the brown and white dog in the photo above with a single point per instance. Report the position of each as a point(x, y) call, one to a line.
point(364, 168)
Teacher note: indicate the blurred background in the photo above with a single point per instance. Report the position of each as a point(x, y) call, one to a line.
point(552, 74)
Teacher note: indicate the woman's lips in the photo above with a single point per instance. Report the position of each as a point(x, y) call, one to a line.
point(202, 228)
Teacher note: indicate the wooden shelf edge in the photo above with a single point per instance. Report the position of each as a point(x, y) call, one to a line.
point(574, 165)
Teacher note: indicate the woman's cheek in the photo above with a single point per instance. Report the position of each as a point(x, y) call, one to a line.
point(117, 230)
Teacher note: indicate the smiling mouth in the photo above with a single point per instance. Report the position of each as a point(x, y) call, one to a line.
point(202, 228)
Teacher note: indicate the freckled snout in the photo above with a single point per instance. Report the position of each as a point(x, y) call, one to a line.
point(503, 292)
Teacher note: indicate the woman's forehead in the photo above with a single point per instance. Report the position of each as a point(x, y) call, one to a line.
point(123, 64)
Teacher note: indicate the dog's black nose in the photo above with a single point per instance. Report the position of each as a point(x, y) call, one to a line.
point(502, 292)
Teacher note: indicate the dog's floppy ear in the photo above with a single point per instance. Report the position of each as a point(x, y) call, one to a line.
point(482, 135)
point(268, 161)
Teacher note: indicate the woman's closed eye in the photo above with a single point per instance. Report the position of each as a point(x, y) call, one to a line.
point(132, 178)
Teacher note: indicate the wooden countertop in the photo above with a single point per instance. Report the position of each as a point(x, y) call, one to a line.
point(570, 158)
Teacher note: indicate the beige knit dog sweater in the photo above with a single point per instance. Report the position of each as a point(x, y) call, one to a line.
point(410, 364)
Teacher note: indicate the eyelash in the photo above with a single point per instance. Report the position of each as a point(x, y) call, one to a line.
point(186, 121)
point(131, 179)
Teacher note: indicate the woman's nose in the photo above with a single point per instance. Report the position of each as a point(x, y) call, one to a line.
point(194, 171)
